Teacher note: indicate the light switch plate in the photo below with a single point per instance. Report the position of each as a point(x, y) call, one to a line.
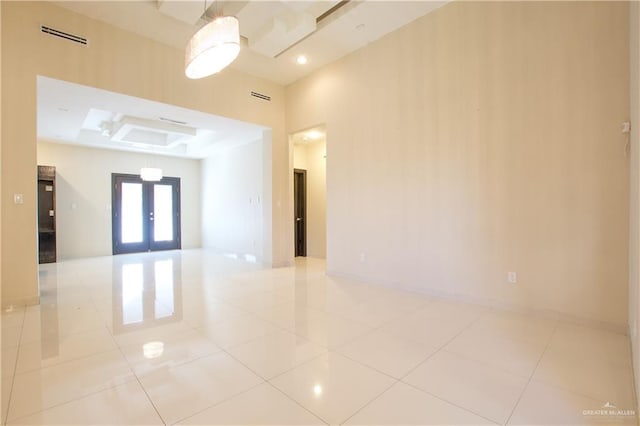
point(18, 198)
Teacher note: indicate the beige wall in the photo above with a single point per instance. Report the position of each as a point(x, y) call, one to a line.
point(299, 156)
point(634, 212)
point(311, 157)
point(83, 194)
point(480, 139)
point(122, 62)
point(2, 200)
point(232, 200)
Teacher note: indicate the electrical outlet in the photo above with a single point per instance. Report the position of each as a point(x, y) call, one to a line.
point(18, 198)
point(512, 277)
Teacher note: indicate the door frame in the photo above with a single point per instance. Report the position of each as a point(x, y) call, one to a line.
point(303, 174)
point(147, 202)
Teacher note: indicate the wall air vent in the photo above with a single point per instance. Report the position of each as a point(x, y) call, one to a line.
point(261, 96)
point(57, 33)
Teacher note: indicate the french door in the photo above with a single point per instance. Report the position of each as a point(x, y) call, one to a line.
point(145, 215)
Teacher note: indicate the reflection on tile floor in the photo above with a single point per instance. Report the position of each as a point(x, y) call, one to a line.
point(190, 337)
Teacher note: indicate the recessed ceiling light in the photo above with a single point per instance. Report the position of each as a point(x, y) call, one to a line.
point(314, 134)
point(317, 390)
point(301, 59)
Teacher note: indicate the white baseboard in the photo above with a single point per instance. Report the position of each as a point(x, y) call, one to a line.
point(493, 304)
point(8, 303)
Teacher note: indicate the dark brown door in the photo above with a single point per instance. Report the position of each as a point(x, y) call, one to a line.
point(300, 210)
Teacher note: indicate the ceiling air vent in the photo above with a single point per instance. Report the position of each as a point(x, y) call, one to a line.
point(57, 33)
point(169, 120)
point(261, 96)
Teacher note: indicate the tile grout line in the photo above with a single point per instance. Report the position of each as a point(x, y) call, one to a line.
point(66, 361)
point(400, 380)
point(418, 365)
point(72, 400)
point(395, 380)
point(372, 329)
point(297, 403)
point(224, 350)
point(633, 379)
point(571, 390)
point(383, 325)
point(339, 315)
point(15, 367)
point(441, 347)
point(268, 381)
point(197, 358)
point(308, 361)
point(221, 350)
point(449, 402)
point(117, 348)
point(133, 372)
point(366, 404)
point(524, 389)
point(367, 366)
point(222, 401)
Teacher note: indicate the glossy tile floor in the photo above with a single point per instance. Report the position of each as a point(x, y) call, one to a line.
point(196, 338)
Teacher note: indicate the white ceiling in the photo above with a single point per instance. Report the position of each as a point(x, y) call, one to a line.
point(284, 29)
point(75, 114)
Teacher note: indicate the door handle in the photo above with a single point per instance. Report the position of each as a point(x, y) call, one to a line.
point(298, 219)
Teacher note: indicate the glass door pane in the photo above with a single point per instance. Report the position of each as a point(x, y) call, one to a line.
point(162, 212)
point(164, 228)
point(131, 213)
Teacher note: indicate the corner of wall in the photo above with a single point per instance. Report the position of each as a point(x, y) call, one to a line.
point(0, 149)
point(634, 196)
point(8, 303)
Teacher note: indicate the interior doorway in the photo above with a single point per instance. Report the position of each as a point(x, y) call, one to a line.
point(309, 192)
point(47, 252)
point(300, 207)
point(145, 215)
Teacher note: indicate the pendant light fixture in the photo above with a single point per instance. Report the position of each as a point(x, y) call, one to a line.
point(213, 47)
point(151, 174)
